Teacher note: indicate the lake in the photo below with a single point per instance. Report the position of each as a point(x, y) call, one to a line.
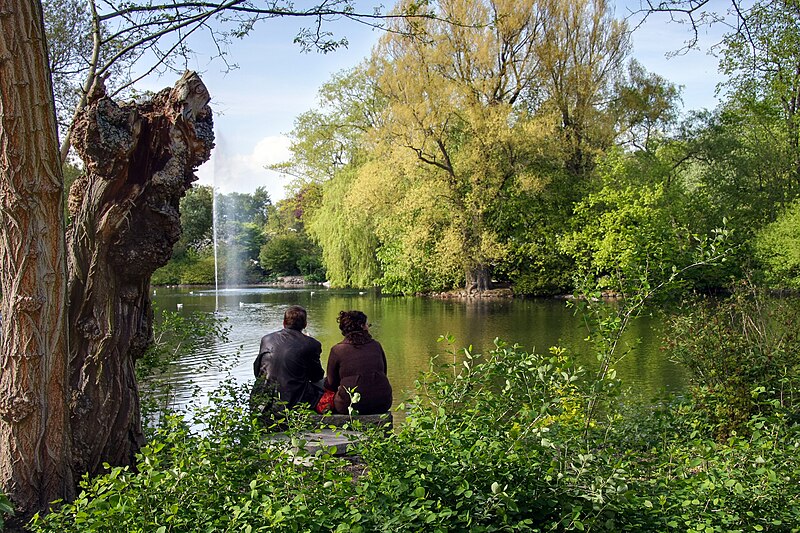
point(408, 329)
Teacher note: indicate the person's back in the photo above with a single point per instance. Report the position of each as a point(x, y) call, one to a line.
point(288, 363)
point(358, 363)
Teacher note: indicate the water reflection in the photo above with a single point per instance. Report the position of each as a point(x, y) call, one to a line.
point(407, 328)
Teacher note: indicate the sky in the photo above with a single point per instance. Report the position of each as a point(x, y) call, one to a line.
point(256, 104)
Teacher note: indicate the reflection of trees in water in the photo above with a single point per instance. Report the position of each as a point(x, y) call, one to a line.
point(408, 329)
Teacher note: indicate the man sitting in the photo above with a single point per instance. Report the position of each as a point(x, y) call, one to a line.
point(288, 369)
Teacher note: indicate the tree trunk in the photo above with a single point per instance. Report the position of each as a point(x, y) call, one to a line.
point(477, 278)
point(35, 465)
point(140, 160)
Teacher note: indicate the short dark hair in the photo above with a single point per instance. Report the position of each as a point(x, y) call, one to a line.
point(350, 321)
point(295, 317)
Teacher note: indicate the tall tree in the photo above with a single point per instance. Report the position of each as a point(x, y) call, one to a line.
point(474, 101)
point(35, 456)
point(197, 216)
point(451, 102)
point(332, 136)
point(329, 145)
point(645, 107)
point(140, 159)
point(582, 55)
point(763, 66)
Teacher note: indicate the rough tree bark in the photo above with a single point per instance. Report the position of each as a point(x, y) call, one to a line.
point(34, 423)
point(140, 160)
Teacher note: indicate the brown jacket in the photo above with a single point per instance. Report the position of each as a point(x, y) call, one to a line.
point(358, 362)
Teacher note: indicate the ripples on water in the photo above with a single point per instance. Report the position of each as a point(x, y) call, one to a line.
point(407, 328)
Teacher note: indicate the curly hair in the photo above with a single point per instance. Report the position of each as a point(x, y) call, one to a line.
point(350, 321)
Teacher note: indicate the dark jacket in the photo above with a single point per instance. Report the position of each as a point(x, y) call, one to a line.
point(358, 362)
point(290, 360)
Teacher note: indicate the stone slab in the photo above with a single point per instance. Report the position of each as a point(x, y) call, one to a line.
point(385, 420)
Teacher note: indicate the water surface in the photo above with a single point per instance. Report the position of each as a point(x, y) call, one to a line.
point(408, 329)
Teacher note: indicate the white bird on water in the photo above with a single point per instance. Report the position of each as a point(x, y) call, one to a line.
point(180, 306)
point(241, 304)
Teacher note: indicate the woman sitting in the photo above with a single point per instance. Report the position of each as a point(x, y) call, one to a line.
point(358, 364)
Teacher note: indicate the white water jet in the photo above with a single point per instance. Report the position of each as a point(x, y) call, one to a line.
point(224, 223)
point(214, 230)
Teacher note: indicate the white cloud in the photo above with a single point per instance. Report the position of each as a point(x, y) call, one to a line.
point(228, 171)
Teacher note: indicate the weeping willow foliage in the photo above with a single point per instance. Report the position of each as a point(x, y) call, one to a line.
point(469, 116)
point(346, 236)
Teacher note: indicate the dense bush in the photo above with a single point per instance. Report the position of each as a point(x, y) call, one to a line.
point(192, 268)
point(226, 478)
point(292, 254)
point(489, 443)
point(778, 246)
point(743, 354)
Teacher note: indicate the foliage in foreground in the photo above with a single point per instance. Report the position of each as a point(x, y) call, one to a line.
point(495, 442)
point(743, 356)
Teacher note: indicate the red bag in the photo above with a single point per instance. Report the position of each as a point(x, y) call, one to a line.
point(325, 403)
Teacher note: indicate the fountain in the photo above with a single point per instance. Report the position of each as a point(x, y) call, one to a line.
point(224, 225)
point(216, 170)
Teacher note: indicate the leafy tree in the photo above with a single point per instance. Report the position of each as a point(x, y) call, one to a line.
point(626, 230)
point(763, 68)
point(330, 137)
point(244, 207)
point(346, 236)
point(329, 146)
point(279, 256)
point(645, 105)
point(451, 102)
point(582, 53)
point(778, 246)
point(475, 103)
point(197, 213)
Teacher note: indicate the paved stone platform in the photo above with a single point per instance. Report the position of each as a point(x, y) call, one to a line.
point(331, 435)
point(385, 420)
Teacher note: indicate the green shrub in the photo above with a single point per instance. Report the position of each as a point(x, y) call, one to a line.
point(489, 443)
point(494, 443)
point(695, 483)
point(778, 248)
point(6, 509)
point(228, 477)
point(743, 353)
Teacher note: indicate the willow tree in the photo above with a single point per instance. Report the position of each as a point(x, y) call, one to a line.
point(329, 146)
point(453, 103)
point(35, 458)
point(474, 101)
